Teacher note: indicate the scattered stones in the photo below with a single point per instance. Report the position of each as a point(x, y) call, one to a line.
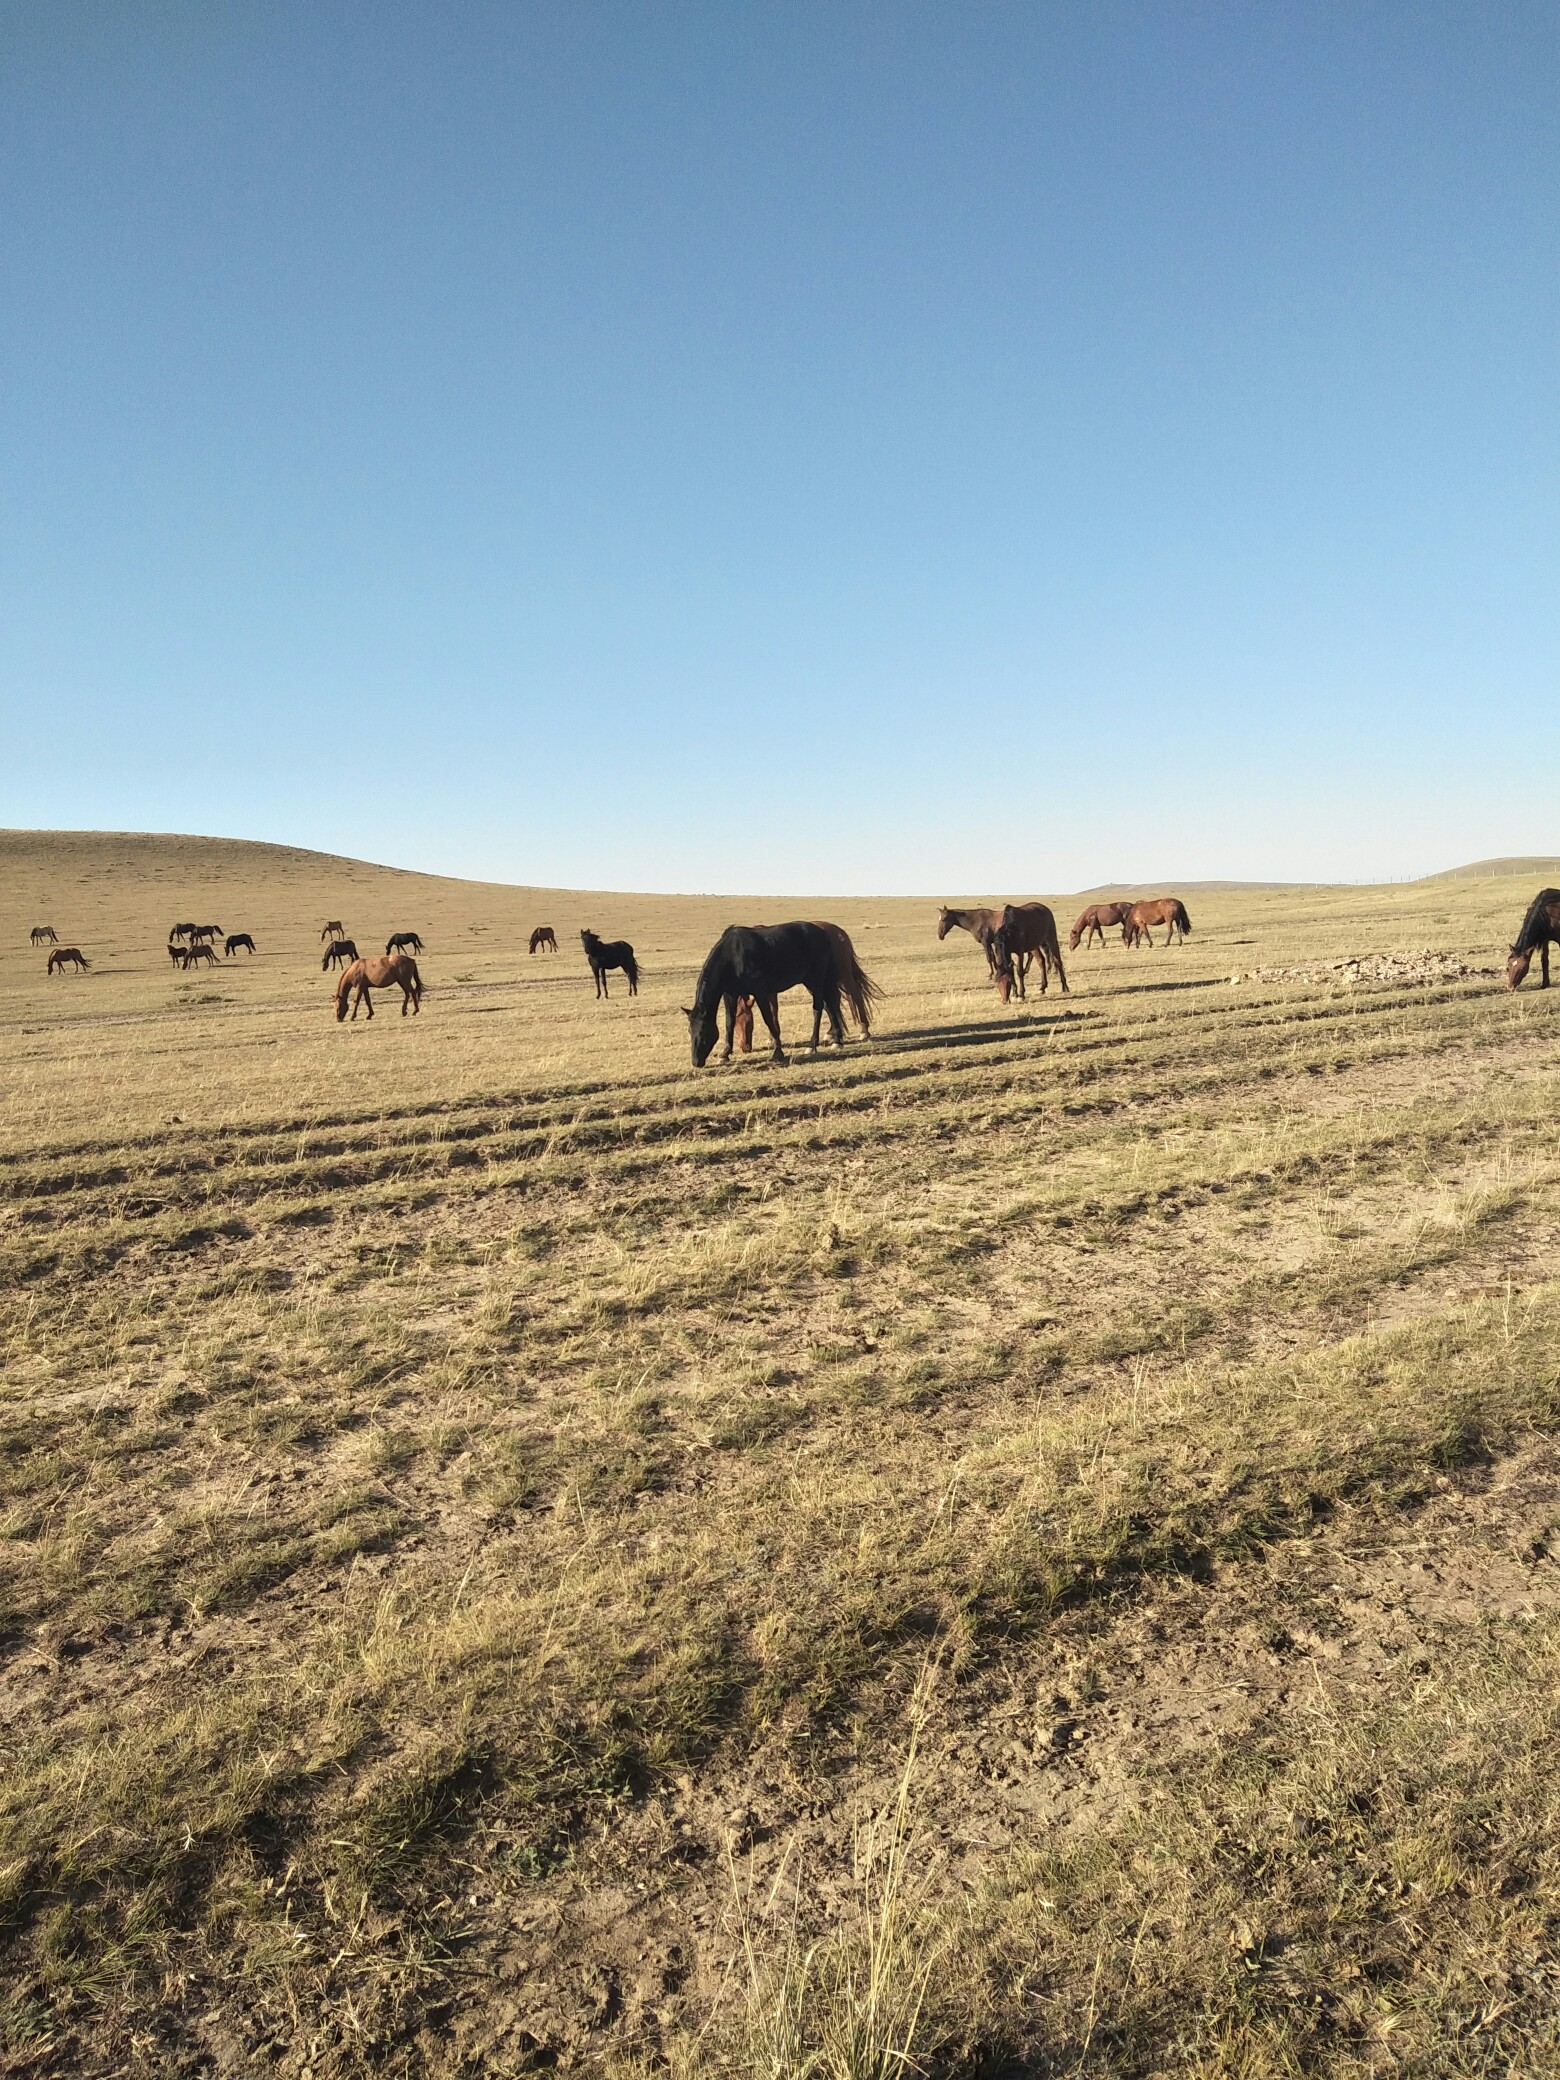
point(1425, 966)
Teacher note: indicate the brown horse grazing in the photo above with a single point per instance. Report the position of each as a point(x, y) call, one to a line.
point(336, 952)
point(1027, 932)
point(378, 972)
point(1165, 910)
point(1094, 920)
point(188, 956)
point(62, 954)
point(333, 928)
point(44, 935)
point(980, 924)
point(544, 939)
point(1539, 926)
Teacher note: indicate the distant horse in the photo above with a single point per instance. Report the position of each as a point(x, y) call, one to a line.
point(379, 973)
point(1026, 932)
point(199, 952)
point(336, 952)
point(980, 924)
point(544, 939)
point(200, 932)
point(1539, 926)
point(62, 954)
point(180, 931)
point(44, 935)
point(761, 961)
point(610, 953)
point(1142, 917)
point(176, 953)
point(333, 928)
point(403, 942)
point(238, 939)
point(1094, 920)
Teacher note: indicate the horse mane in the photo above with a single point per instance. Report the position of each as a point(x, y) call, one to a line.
point(343, 987)
point(1535, 930)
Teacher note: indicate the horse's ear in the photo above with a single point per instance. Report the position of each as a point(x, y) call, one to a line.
point(687, 1011)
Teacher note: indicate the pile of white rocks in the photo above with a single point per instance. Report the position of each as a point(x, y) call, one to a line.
point(1426, 966)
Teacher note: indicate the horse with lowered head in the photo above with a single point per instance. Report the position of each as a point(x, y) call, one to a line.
point(403, 942)
point(762, 961)
point(379, 972)
point(45, 935)
point(1539, 926)
point(1093, 921)
point(72, 954)
point(544, 939)
point(1139, 921)
point(337, 952)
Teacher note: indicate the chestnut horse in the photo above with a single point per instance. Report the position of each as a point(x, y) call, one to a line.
point(545, 939)
point(62, 954)
point(45, 935)
point(1094, 920)
point(378, 972)
point(1539, 926)
point(336, 952)
point(333, 928)
point(1166, 910)
point(742, 1025)
point(980, 924)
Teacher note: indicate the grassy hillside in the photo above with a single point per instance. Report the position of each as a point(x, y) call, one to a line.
point(493, 1518)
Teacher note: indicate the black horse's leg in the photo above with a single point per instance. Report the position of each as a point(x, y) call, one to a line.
point(818, 1005)
point(769, 1009)
point(1544, 963)
point(729, 1004)
point(836, 1020)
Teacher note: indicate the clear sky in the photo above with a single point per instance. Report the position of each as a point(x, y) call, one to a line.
point(803, 446)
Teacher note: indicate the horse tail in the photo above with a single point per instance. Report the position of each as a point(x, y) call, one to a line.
point(1181, 918)
point(343, 991)
point(1052, 946)
point(413, 978)
point(856, 985)
point(632, 966)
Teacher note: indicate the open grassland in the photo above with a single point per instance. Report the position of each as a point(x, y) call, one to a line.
point(1028, 1541)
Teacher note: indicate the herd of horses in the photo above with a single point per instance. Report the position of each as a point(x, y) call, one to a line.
point(750, 967)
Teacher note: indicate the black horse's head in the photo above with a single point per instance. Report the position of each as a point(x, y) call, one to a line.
point(701, 1032)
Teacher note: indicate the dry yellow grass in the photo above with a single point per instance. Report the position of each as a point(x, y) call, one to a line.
point(472, 1485)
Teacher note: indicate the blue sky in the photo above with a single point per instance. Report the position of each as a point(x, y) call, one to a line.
point(795, 447)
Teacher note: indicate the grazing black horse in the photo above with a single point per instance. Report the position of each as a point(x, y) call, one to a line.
point(759, 961)
point(610, 953)
point(238, 939)
point(338, 953)
point(1539, 926)
point(403, 942)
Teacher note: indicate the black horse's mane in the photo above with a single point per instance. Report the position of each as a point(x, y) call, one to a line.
point(1537, 928)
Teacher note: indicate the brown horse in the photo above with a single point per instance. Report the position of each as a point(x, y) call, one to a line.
point(544, 939)
point(333, 928)
point(980, 924)
point(742, 1025)
point(44, 935)
point(336, 952)
point(1094, 920)
point(189, 956)
point(62, 954)
point(1539, 926)
point(1142, 917)
point(378, 972)
point(1028, 932)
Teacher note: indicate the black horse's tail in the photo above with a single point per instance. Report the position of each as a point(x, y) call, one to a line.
point(630, 967)
point(1535, 930)
point(856, 985)
point(1181, 918)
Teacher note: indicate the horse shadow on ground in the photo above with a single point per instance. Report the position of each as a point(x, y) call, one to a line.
point(973, 1033)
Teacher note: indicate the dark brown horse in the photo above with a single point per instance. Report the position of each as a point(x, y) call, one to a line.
point(62, 954)
point(44, 935)
point(1027, 932)
point(239, 939)
point(191, 956)
point(762, 961)
point(544, 939)
point(1142, 917)
point(338, 951)
point(1539, 926)
point(1093, 921)
point(610, 953)
point(379, 971)
point(403, 942)
point(333, 928)
point(199, 932)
